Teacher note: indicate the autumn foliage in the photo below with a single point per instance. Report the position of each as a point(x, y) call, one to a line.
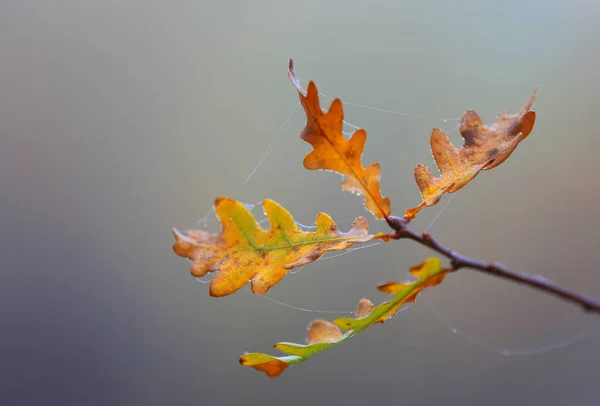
point(333, 152)
point(243, 251)
point(484, 148)
point(322, 334)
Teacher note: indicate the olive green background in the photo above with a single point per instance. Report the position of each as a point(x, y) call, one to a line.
point(122, 119)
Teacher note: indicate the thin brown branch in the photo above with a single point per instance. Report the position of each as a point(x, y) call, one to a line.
point(459, 261)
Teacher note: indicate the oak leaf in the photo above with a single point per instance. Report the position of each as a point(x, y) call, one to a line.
point(323, 334)
point(484, 148)
point(244, 251)
point(333, 152)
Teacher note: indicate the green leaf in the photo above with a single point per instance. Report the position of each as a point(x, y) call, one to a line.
point(323, 334)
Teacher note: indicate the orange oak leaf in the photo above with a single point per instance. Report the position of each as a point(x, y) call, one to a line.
point(333, 152)
point(244, 251)
point(484, 148)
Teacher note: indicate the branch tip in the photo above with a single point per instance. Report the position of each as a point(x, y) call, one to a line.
point(397, 223)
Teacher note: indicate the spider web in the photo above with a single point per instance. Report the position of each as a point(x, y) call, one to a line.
point(209, 220)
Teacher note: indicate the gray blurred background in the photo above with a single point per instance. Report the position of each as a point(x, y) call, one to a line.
point(122, 119)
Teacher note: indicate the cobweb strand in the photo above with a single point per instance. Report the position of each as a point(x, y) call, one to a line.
point(544, 348)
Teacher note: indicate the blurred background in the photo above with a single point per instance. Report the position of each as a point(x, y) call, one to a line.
point(122, 119)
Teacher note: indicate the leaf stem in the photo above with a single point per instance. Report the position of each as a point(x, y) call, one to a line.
point(458, 261)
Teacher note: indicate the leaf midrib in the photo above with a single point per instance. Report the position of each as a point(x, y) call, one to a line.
point(290, 244)
point(356, 175)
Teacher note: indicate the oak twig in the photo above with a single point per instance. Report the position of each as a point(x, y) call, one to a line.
point(458, 261)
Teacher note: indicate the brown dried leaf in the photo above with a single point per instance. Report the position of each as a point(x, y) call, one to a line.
point(364, 308)
point(484, 148)
point(322, 331)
